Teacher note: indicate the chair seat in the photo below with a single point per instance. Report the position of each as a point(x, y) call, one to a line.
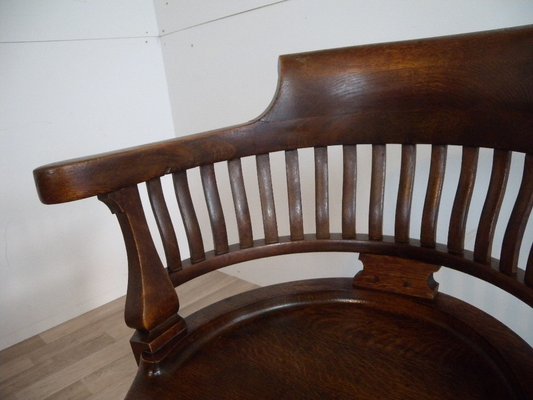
point(322, 339)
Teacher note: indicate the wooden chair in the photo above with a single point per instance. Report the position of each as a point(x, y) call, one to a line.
point(387, 333)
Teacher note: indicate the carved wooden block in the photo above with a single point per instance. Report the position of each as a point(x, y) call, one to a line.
point(397, 275)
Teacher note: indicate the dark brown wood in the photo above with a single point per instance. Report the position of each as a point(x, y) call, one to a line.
point(214, 208)
point(397, 275)
point(491, 209)
point(266, 193)
point(164, 224)
point(325, 339)
point(321, 339)
point(151, 302)
point(157, 343)
point(405, 193)
point(361, 244)
point(377, 193)
point(151, 298)
point(430, 214)
point(518, 221)
point(528, 278)
point(362, 95)
point(188, 215)
point(349, 191)
point(321, 193)
point(295, 195)
point(240, 202)
point(461, 204)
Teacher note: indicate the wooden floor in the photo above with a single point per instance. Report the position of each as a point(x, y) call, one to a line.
point(89, 357)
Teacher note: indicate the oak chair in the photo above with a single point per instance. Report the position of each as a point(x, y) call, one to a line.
point(388, 332)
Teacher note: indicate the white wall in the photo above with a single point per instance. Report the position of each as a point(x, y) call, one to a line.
point(222, 70)
point(75, 78)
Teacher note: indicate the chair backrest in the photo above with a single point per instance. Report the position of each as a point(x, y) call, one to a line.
point(474, 91)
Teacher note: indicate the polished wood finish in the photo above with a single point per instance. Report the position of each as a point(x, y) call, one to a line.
point(164, 224)
point(463, 196)
point(242, 212)
point(321, 193)
point(321, 339)
point(151, 298)
point(361, 95)
point(473, 91)
point(294, 193)
point(428, 233)
point(518, 220)
point(528, 279)
point(266, 192)
point(405, 193)
point(397, 275)
point(491, 208)
point(377, 193)
point(214, 208)
point(188, 213)
point(349, 191)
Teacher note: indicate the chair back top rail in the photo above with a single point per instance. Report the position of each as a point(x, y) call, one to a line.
point(471, 90)
point(474, 90)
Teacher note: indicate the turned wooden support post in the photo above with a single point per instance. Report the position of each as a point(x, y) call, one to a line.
point(397, 275)
point(151, 301)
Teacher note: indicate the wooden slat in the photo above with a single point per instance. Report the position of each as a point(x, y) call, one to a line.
point(349, 190)
point(321, 193)
point(463, 196)
point(377, 192)
point(491, 209)
point(188, 215)
point(518, 221)
point(405, 193)
point(528, 278)
point(430, 213)
point(266, 195)
point(214, 208)
point(240, 202)
point(164, 224)
point(294, 195)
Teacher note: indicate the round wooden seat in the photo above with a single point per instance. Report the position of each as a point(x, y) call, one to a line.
point(321, 339)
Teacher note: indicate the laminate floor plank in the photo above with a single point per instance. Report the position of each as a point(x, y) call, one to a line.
point(89, 357)
point(229, 289)
point(117, 328)
point(76, 391)
point(87, 319)
point(118, 370)
point(14, 367)
point(117, 391)
point(64, 377)
point(62, 361)
point(66, 345)
point(21, 349)
point(202, 287)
